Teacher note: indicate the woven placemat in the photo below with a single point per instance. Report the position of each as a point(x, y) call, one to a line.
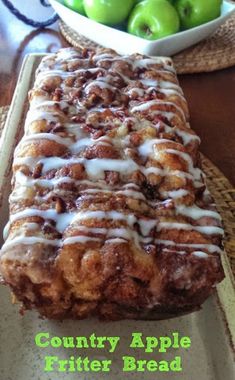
point(220, 188)
point(216, 52)
point(3, 116)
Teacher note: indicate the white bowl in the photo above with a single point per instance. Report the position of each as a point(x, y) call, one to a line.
point(125, 43)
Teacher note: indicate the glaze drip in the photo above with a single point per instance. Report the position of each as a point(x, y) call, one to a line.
point(108, 153)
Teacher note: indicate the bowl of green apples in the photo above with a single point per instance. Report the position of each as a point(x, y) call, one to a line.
point(153, 27)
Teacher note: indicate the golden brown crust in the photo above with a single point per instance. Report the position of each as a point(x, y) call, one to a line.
point(110, 215)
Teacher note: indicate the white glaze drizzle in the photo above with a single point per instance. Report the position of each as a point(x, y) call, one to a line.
point(200, 254)
point(95, 168)
point(207, 230)
point(28, 240)
point(195, 212)
point(211, 248)
point(175, 194)
point(79, 239)
point(62, 220)
point(147, 105)
point(101, 84)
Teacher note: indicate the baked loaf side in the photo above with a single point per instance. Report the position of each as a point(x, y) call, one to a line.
point(109, 212)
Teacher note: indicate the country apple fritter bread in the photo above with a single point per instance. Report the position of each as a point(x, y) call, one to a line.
point(109, 212)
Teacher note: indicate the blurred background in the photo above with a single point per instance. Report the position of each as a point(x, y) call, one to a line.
point(18, 39)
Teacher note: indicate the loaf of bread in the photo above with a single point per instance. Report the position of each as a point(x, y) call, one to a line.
point(109, 212)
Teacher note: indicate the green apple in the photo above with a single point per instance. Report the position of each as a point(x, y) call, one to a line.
point(170, 1)
point(109, 12)
point(75, 5)
point(196, 12)
point(153, 19)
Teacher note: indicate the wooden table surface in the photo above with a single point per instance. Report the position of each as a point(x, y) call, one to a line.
point(211, 96)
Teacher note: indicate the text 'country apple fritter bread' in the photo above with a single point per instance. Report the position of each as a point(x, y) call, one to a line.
point(109, 212)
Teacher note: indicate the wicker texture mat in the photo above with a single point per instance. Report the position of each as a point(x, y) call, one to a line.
point(220, 188)
point(216, 52)
point(3, 116)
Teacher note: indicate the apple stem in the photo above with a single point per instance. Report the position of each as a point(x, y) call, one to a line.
point(146, 30)
point(187, 10)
